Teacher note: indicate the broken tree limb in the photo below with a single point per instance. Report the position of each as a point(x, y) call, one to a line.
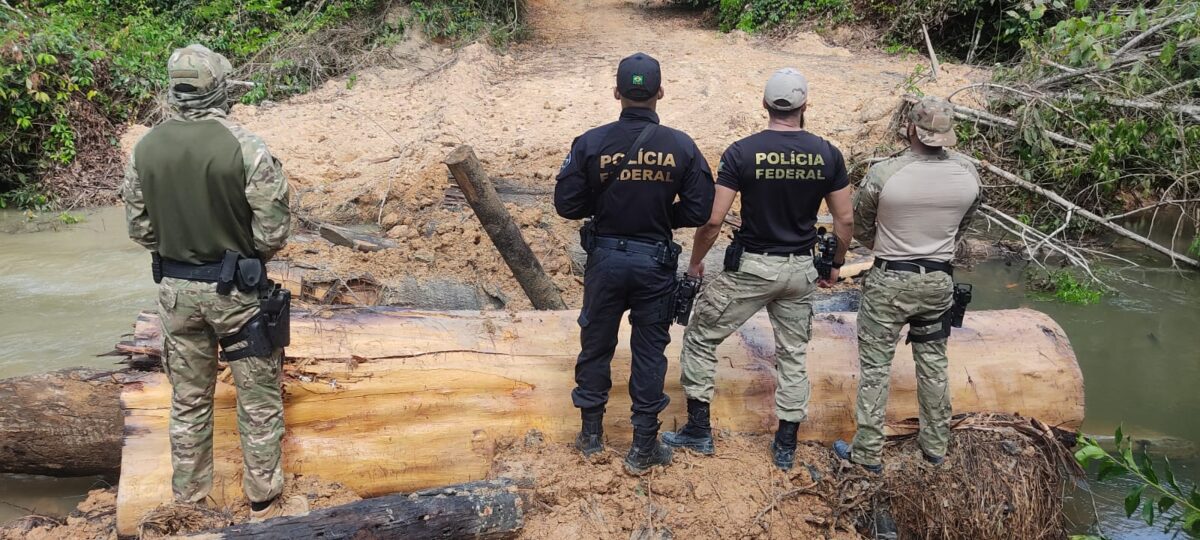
point(504, 232)
point(1192, 111)
point(968, 113)
point(353, 239)
point(1084, 213)
point(490, 509)
point(933, 60)
point(63, 423)
point(386, 401)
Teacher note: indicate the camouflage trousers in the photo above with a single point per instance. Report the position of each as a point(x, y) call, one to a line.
point(784, 285)
point(891, 299)
point(194, 317)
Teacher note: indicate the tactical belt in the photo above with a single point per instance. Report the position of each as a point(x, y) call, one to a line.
point(208, 273)
point(800, 253)
point(919, 266)
point(665, 254)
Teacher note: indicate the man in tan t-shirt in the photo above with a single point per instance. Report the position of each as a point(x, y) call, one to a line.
point(911, 211)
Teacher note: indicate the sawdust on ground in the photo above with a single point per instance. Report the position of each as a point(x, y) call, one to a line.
point(371, 152)
point(96, 517)
point(738, 493)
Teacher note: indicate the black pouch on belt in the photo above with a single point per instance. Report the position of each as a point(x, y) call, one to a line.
point(228, 273)
point(156, 267)
point(251, 276)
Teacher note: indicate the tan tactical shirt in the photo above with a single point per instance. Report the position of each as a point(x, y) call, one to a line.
point(916, 206)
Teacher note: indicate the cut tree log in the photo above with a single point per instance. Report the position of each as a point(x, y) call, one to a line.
point(504, 232)
point(62, 423)
point(475, 510)
point(388, 401)
point(355, 240)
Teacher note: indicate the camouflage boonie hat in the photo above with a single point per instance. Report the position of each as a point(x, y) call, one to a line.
point(934, 119)
point(198, 67)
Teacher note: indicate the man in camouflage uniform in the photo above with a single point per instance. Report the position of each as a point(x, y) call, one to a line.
point(911, 211)
point(198, 186)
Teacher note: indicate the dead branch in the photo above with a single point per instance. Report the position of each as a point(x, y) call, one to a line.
point(1137, 40)
point(1084, 213)
point(968, 113)
point(1192, 111)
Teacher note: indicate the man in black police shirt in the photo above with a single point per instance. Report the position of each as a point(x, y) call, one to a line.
point(631, 258)
point(783, 174)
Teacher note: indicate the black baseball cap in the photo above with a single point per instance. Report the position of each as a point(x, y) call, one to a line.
point(638, 77)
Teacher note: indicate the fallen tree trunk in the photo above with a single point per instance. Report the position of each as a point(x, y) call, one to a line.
point(504, 232)
point(475, 510)
point(386, 401)
point(62, 423)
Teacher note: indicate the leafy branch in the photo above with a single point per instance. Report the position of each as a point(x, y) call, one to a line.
point(1156, 497)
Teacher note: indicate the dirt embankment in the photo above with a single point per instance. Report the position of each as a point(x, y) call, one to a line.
point(370, 150)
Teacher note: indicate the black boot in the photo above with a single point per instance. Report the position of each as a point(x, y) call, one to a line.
point(784, 445)
point(646, 451)
point(696, 435)
point(591, 438)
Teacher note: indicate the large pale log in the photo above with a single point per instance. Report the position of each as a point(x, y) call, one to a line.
point(488, 510)
point(63, 423)
point(402, 400)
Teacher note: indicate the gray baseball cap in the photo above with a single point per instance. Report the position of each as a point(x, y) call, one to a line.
point(787, 90)
point(198, 67)
point(934, 119)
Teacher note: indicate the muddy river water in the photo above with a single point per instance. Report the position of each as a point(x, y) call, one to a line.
point(70, 291)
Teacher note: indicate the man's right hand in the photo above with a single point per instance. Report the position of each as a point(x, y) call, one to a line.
point(696, 269)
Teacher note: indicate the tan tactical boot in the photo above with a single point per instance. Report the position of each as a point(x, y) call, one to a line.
point(292, 506)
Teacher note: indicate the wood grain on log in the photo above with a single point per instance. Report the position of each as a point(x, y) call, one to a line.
point(62, 423)
point(391, 401)
point(475, 510)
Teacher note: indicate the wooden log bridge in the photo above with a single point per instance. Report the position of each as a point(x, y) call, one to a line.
point(388, 401)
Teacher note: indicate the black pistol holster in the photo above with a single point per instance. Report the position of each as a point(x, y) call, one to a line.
point(156, 266)
point(685, 297)
point(952, 318)
point(267, 331)
point(587, 236)
point(733, 254)
point(826, 248)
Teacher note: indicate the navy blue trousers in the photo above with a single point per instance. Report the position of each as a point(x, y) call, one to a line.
point(615, 282)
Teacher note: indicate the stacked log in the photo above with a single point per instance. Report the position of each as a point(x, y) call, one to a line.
point(388, 401)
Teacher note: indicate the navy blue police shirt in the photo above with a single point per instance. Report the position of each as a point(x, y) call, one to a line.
point(783, 176)
point(642, 204)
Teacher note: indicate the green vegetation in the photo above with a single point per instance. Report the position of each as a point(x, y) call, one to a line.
point(1063, 286)
point(67, 218)
point(1153, 498)
point(71, 69)
point(756, 15)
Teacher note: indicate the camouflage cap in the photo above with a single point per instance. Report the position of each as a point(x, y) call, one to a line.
point(934, 119)
point(787, 90)
point(198, 67)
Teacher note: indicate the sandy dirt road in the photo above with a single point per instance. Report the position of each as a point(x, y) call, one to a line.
point(350, 147)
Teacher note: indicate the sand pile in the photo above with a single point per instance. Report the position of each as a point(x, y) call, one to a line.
point(370, 152)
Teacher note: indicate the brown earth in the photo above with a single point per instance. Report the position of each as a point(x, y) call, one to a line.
point(371, 151)
point(96, 517)
point(736, 494)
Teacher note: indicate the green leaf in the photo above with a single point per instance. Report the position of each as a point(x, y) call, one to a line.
point(1168, 53)
point(1147, 468)
point(1109, 469)
point(1081, 5)
point(1086, 454)
point(1119, 436)
point(1191, 522)
point(1133, 500)
point(1037, 12)
point(1148, 512)
point(1165, 504)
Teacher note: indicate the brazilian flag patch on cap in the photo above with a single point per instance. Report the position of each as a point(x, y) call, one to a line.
point(639, 80)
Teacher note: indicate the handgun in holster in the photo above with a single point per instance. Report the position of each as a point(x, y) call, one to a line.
point(685, 297)
point(962, 298)
point(826, 248)
point(587, 236)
